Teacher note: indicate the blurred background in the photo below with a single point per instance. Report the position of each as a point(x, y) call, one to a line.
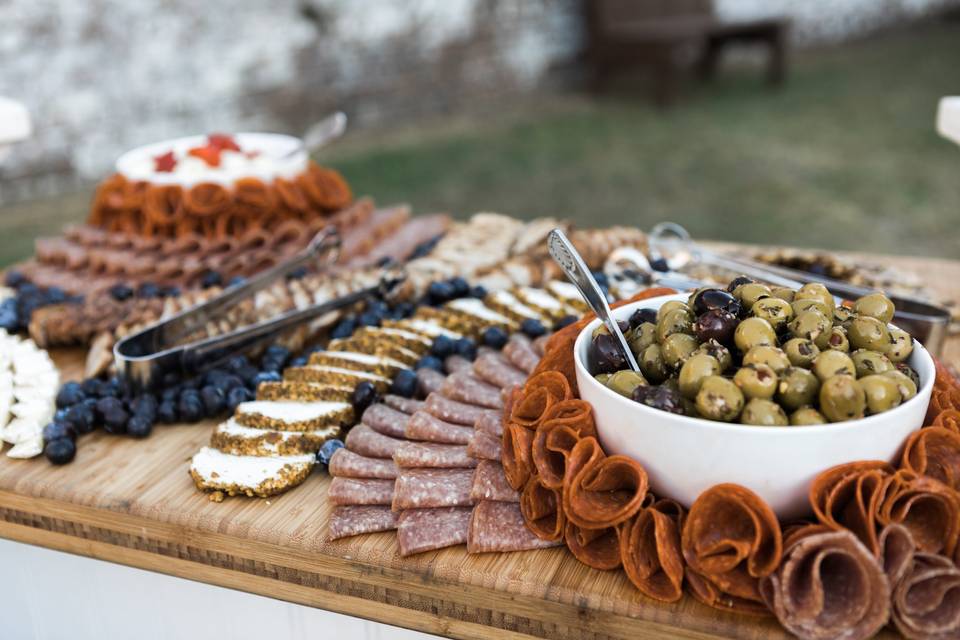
point(798, 123)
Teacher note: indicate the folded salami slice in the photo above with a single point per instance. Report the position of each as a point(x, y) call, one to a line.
point(456, 363)
point(484, 446)
point(829, 585)
point(848, 496)
point(929, 510)
point(542, 510)
point(360, 491)
point(453, 411)
point(489, 483)
point(429, 381)
point(498, 371)
point(650, 550)
point(498, 526)
point(896, 552)
point(408, 406)
point(520, 353)
point(347, 464)
point(422, 488)
point(490, 423)
point(423, 426)
point(926, 601)
point(430, 454)
point(732, 539)
point(420, 530)
point(465, 387)
point(563, 425)
point(934, 452)
point(597, 548)
point(515, 454)
point(601, 491)
point(385, 420)
point(708, 593)
point(540, 393)
point(353, 520)
point(540, 345)
point(365, 441)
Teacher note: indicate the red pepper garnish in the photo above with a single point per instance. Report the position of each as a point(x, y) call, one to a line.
point(165, 163)
point(223, 142)
point(209, 154)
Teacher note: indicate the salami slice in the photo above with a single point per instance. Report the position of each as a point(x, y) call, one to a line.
point(498, 371)
point(490, 423)
point(429, 381)
point(498, 526)
point(433, 455)
point(540, 345)
point(484, 446)
point(848, 497)
point(926, 602)
point(347, 464)
point(422, 488)
point(457, 363)
point(650, 550)
point(385, 420)
point(360, 491)
point(465, 387)
point(365, 441)
point(352, 520)
point(520, 353)
point(597, 548)
point(408, 406)
point(423, 426)
point(453, 411)
point(420, 530)
point(489, 483)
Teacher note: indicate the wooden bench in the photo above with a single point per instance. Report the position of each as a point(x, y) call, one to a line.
point(657, 33)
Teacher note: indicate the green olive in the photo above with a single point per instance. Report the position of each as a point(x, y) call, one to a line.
point(833, 363)
point(674, 321)
point(677, 348)
point(797, 387)
point(602, 377)
point(719, 399)
point(901, 345)
point(642, 337)
point(669, 306)
point(754, 332)
point(756, 381)
point(809, 325)
point(868, 362)
point(906, 386)
point(774, 310)
point(784, 293)
point(625, 382)
point(842, 315)
point(773, 357)
point(910, 372)
point(721, 353)
point(842, 398)
point(749, 293)
point(875, 305)
point(882, 393)
point(763, 413)
point(694, 370)
point(800, 305)
point(869, 333)
point(815, 291)
point(652, 365)
point(806, 416)
point(801, 352)
point(837, 339)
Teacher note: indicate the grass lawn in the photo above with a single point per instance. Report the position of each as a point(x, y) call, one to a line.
point(844, 156)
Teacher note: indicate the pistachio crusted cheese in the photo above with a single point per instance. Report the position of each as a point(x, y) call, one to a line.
point(508, 304)
point(407, 339)
point(293, 415)
point(234, 438)
point(543, 303)
point(251, 476)
point(334, 375)
point(374, 346)
point(303, 391)
point(380, 365)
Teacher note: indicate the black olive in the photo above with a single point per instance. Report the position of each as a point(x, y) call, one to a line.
point(716, 324)
point(659, 397)
point(640, 316)
point(604, 355)
point(708, 299)
point(736, 282)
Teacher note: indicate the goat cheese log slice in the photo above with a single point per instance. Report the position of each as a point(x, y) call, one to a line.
point(214, 470)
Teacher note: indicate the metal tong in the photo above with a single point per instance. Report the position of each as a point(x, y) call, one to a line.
point(144, 358)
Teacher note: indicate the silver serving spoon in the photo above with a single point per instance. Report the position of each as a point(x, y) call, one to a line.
point(321, 134)
point(577, 272)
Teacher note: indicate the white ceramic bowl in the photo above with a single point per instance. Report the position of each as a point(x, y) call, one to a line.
point(684, 456)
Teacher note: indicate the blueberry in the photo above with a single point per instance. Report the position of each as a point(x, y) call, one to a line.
point(214, 377)
point(327, 450)
point(172, 292)
point(659, 264)
point(60, 415)
point(57, 430)
point(149, 290)
point(467, 348)
point(440, 292)
point(495, 337)
point(108, 405)
point(236, 396)
point(266, 376)
point(115, 420)
point(248, 375)
point(430, 362)
point(364, 394)
point(271, 365)
point(236, 281)
point(145, 405)
point(28, 289)
point(297, 273)
point(369, 319)
point(402, 310)
point(60, 451)
point(565, 321)
point(70, 394)
point(300, 361)
point(91, 387)
point(443, 346)
point(15, 279)
point(170, 393)
point(110, 388)
point(170, 379)
point(82, 418)
point(344, 328)
point(192, 383)
point(211, 278)
point(190, 406)
point(231, 382)
point(404, 384)
point(461, 288)
point(55, 295)
point(120, 292)
point(277, 351)
point(167, 412)
point(378, 308)
point(601, 278)
point(139, 426)
point(533, 328)
point(214, 400)
point(478, 291)
point(238, 362)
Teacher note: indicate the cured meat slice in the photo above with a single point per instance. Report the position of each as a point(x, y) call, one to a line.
point(896, 552)
point(465, 387)
point(537, 396)
point(601, 491)
point(423, 426)
point(428, 454)
point(489, 483)
point(732, 539)
point(429, 381)
point(385, 420)
point(347, 464)
point(829, 585)
point(540, 345)
point(849, 495)
point(708, 593)
point(455, 364)
point(515, 454)
point(420, 530)
point(542, 510)
point(453, 411)
point(597, 548)
point(563, 426)
point(926, 601)
point(498, 526)
point(520, 353)
point(365, 441)
point(650, 550)
point(929, 510)
point(360, 491)
point(422, 488)
point(352, 520)
point(408, 406)
point(484, 446)
point(948, 419)
point(934, 452)
point(498, 371)
point(490, 423)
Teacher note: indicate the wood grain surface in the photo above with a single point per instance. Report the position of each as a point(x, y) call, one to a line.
point(132, 502)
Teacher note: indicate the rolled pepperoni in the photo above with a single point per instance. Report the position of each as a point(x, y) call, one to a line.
point(597, 548)
point(934, 452)
point(650, 550)
point(604, 491)
point(542, 510)
point(453, 411)
point(427, 488)
point(929, 510)
point(365, 441)
point(360, 491)
point(347, 464)
point(429, 454)
point(420, 530)
point(848, 496)
point(423, 426)
point(520, 353)
point(484, 446)
point(385, 420)
point(464, 386)
point(408, 406)
point(353, 520)
point(515, 454)
point(489, 483)
point(499, 526)
point(498, 371)
point(429, 381)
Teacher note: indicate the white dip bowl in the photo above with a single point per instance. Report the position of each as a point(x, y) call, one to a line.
point(684, 456)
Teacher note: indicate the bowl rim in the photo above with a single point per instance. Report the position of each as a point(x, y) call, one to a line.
point(735, 427)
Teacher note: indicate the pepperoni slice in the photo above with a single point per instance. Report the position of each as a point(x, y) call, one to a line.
point(934, 452)
point(650, 550)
